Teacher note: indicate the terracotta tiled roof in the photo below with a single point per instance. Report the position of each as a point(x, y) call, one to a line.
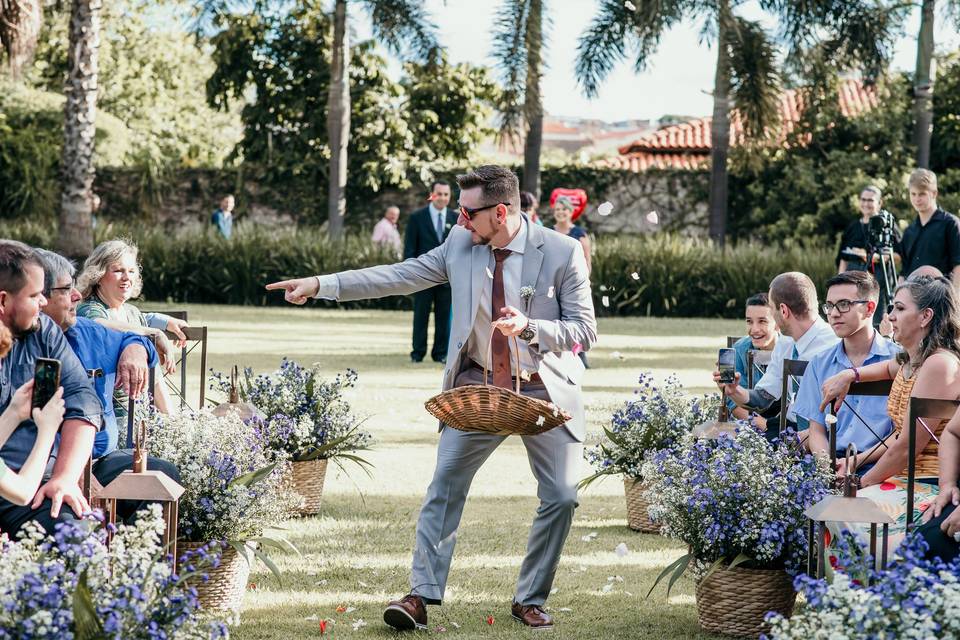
point(687, 145)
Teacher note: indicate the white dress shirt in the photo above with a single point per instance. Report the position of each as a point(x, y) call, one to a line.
point(479, 340)
point(817, 338)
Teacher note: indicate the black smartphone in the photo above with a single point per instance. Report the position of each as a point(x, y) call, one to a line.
point(727, 365)
point(46, 381)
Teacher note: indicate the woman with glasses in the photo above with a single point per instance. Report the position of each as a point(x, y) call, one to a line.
point(926, 324)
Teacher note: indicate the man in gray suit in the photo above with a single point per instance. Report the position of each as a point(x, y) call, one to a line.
point(493, 254)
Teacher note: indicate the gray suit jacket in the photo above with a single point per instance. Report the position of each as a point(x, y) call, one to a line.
point(561, 307)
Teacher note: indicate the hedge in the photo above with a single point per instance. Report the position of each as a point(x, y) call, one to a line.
point(674, 276)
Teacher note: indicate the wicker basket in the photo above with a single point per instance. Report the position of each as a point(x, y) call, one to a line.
point(638, 517)
point(495, 410)
point(224, 589)
point(306, 479)
point(735, 601)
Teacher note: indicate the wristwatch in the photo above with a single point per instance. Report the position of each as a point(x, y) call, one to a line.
point(528, 333)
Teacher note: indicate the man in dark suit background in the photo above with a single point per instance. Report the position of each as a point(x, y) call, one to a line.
point(427, 229)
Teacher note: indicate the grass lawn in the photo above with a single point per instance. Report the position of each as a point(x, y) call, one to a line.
point(356, 554)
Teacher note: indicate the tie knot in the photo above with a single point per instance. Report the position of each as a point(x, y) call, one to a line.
point(501, 254)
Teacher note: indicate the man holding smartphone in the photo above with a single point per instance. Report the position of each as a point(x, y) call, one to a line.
point(36, 336)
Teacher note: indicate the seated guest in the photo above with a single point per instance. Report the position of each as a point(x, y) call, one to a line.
point(20, 487)
point(111, 277)
point(793, 301)
point(852, 299)
point(761, 335)
point(122, 359)
point(926, 324)
point(941, 522)
point(36, 336)
point(933, 238)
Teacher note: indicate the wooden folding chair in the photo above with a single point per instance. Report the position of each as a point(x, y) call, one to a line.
point(919, 409)
point(757, 362)
point(196, 336)
point(792, 372)
point(876, 388)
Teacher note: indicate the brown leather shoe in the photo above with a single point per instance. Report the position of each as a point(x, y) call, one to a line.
point(533, 616)
point(406, 614)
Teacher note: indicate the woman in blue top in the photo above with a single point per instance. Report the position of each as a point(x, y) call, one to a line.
point(563, 223)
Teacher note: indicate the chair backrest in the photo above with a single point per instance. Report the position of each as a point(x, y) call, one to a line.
point(757, 362)
point(879, 388)
point(922, 408)
point(732, 340)
point(179, 315)
point(792, 371)
point(196, 336)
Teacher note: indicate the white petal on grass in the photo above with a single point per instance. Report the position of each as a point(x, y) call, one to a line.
point(607, 587)
point(616, 355)
point(554, 590)
point(653, 217)
point(564, 609)
point(635, 275)
point(358, 623)
point(621, 550)
point(605, 209)
point(363, 584)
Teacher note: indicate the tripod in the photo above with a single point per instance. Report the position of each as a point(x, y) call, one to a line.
point(886, 277)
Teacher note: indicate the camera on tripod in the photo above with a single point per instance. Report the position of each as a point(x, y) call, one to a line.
point(880, 228)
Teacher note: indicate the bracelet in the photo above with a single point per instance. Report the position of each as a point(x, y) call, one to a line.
point(856, 374)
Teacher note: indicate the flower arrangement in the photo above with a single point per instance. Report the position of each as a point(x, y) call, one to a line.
point(658, 417)
point(735, 500)
point(914, 598)
point(231, 476)
point(72, 585)
point(306, 415)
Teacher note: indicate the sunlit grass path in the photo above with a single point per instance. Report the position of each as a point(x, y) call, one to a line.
point(357, 553)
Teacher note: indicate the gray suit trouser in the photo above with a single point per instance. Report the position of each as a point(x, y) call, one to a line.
point(555, 461)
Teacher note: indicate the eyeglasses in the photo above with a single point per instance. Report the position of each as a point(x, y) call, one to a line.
point(470, 213)
point(841, 306)
point(68, 288)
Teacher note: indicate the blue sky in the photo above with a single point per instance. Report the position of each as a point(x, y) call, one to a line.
point(677, 80)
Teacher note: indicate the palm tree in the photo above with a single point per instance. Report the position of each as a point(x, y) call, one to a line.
point(747, 76)
point(518, 50)
point(923, 78)
point(20, 22)
point(79, 128)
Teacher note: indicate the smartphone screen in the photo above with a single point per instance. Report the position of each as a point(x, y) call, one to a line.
point(727, 365)
point(46, 381)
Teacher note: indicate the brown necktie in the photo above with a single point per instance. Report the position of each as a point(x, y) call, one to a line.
point(500, 348)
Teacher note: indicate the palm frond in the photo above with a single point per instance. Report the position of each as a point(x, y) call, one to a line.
point(620, 27)
point(510, 55)
point(755, 79)
point(863, 34)
point(404, 26)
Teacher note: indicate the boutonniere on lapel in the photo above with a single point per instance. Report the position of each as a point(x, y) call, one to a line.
point(526, 293)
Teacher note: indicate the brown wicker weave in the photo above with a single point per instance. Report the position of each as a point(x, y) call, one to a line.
point(307, 479)
point(224, 589)
point(495, 410)
point(638, 517)
point(734, 601)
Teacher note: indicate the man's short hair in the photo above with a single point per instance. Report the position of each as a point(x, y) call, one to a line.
point(54, 266)
point(797, 291)
point(758, 300)
point(923, 179)
point(497, 184)
point(442, 183)
point(14, 258)
point(867, 286)
point(874, 189)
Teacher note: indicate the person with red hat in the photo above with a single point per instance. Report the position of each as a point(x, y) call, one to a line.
point(565, 212)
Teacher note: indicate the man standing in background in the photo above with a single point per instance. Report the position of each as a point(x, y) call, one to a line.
point(385, 232)
point(427, 230)
point(222, 218)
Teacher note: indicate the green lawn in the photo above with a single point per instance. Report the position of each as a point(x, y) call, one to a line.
point(357, 553)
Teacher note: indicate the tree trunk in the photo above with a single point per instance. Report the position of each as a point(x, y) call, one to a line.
point(720, 134)
point(533, 102)
point(923, 86)
point(79, 128)
point(338, 123)
point(20, 22)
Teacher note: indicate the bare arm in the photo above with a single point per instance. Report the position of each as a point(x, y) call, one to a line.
point(76, 444)
point(19, 487)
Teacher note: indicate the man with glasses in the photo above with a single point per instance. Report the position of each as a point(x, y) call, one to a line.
point(862, 420)
point(427, 229)
point(493, 254)
point(793, 299)
point(111, 359)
